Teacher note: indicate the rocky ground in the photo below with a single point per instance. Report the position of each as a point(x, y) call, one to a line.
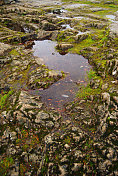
point(36, 140)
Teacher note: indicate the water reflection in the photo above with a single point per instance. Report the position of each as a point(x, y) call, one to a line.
point(75, 65)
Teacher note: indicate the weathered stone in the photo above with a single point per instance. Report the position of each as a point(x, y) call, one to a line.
point(105, 97)
point(55, 74)
point(64, 46)
point(34, 158)
point(4, 49)
point(115, 98)
point(48, 26)
point(76, 167)
point(39, 61)
point(41, 116)
point(49, 124)
point(67, 146)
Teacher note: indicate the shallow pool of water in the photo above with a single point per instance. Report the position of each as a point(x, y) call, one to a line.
point(111, 17)
point(65, 89)
point(71, 6)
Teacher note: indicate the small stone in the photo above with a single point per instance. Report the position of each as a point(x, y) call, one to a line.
point(67, 146)
point(105, 97)
point(64, 46)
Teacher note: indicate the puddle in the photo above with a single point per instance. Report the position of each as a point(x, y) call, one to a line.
point(79, 33)
point(65, 89)
point(63, 17)
point(66, 18)
point(66, 26)
point(111, 17)
point(79, 17)
point(71, 6)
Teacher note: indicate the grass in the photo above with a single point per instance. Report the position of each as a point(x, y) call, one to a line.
point(5, 164)
point(85, 92)
point(4, 99)
point(14, 52)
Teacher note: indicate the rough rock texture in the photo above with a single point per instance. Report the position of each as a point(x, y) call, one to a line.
point(81, 138)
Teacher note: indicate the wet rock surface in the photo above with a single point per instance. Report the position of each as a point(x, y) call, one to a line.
point(82, 138)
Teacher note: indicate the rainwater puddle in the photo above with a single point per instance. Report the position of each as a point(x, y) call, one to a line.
point(71, 6)
point(65, 89)
point(111, 17)
point(67, 26)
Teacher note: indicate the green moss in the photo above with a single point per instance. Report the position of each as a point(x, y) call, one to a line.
point(85, 92)
point(85, 43)
point(14, 52)
point(4, 99)
point(5, 164)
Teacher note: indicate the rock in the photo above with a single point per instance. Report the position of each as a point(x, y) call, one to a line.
point(11, 151)
point(34, 158)
point(4, 49)
point(81, 37)
point(76, 167)
point(48, 26)
point(64, 46)
point(104, 86)
point(28, 174)
point(105, 165)
point(109, 2)
point(105, 97)
point(41, 116)
point(63, 171)
point(2, 2)
point(49, 124)
point(55, 74)
point(95, 84)
point(29, 44)
point(112, 67)
point(103, 127)
point(39, 61)
point(67, 146)
point(110, 154)
point(97, 9)
point(78, 154)
point(42, 35)
point(115, 98)
point(48, 139)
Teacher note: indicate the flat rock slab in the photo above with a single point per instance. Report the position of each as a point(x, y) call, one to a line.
point(38, 3)
point(114, 28)
point(72, 6)
point(4, 48)
point(97, 9)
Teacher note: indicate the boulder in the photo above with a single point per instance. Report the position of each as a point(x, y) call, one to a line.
point(4, 49)
point(105, 97)
point(47, 26)
point(55, 74)
point(64, 46)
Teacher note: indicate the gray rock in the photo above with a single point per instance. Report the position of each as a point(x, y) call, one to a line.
point(97, 9)
point(104, 86)
point(48, 139)
point(39, 61)
point(110, 154)
point(4, 49)
point(55, 74)
point(41, 116)
point(64, 46)
point(34, 158)
point(48, 26)
point(76, 167)
point(67, 146)
point(105, 97)
point(49, 124)
point(115, 98)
